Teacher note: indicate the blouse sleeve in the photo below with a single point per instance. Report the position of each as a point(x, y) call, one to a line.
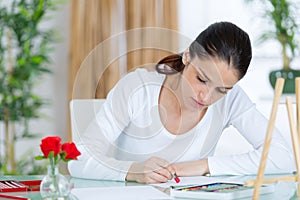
point(252, 125)
point(95, 143)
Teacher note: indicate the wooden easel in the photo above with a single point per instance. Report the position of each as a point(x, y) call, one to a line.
point(295, 133)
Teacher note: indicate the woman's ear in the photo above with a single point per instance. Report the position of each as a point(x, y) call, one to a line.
point(186, 57)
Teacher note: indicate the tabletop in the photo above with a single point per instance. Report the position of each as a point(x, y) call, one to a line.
point(283, 190)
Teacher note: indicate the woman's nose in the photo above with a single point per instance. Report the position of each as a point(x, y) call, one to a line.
point(205, 94)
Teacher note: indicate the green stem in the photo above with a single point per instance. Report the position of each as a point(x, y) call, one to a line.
point(6, 122)
point(285, 58)
point(54, 177)
point(12, 148)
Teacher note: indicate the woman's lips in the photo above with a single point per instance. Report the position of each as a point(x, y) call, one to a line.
point(198, 104)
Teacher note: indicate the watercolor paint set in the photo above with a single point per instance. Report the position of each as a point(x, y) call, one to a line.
point(217, 190)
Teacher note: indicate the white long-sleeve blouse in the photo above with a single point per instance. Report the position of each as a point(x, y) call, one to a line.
point(128, 129)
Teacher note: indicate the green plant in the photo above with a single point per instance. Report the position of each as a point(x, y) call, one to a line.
point(24, 55)
point(282, 15)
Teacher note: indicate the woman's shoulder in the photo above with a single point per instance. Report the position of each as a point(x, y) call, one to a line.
point(140, 78)
point(138, 83)
point(144, 74)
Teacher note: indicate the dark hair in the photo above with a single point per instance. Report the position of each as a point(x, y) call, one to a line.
point(223, 40)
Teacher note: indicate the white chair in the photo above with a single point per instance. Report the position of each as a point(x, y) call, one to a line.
point(82, 112)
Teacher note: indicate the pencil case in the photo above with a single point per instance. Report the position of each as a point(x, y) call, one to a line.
point(19, 186)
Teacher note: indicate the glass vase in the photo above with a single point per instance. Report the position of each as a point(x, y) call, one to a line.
point(54, 185)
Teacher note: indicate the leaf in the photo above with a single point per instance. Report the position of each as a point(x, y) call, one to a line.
point(29, 135)
point(39, 157)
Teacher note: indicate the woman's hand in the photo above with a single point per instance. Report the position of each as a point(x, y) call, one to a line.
point(153, 170)
point(193, 168)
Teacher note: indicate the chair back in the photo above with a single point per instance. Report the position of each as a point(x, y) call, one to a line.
point(82, 112)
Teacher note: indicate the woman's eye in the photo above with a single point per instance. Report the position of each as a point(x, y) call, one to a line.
point(222, 91)
point(201, 80)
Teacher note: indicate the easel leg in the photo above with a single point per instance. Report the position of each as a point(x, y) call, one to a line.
point(264, 157)
point(297, 156)
point(295, 139)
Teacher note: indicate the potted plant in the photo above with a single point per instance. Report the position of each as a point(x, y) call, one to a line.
point(282, 15)
point(24, 55)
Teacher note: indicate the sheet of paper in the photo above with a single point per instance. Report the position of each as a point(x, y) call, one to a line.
point(194, 180)
point(117, 193)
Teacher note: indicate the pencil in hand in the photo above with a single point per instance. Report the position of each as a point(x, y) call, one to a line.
point(176, 178)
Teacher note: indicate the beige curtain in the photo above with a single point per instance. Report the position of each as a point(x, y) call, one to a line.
point(150, 13)
point(111, 37)
point(91, 23)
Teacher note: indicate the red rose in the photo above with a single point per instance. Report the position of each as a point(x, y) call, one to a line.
point(71, 151)
point(51, 143)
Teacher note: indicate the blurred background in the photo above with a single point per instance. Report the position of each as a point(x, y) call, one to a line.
point(96, 42)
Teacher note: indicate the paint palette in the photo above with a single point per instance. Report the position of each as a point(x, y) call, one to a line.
point(217, 190)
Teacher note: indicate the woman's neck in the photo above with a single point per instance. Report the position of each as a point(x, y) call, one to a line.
point(177, 119)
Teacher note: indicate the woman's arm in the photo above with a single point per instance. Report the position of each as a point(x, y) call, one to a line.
point(98, 143)
point(241, 112)
point(253, 126)
point(95, 164)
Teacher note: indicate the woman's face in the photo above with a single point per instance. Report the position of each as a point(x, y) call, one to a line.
point(205, 81)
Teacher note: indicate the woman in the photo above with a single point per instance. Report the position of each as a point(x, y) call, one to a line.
point(154, 124)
